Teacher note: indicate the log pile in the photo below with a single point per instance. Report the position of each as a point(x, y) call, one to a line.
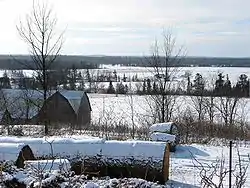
point(116, 159)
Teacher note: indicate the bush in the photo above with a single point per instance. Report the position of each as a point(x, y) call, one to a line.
point(17, 131)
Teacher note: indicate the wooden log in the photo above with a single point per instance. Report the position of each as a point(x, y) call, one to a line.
point(138, 162)
point(25, 154)
point(98, 157)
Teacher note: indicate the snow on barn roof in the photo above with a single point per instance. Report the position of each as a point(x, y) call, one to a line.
point(161, 127)
point(75, 98)
point(17, 101)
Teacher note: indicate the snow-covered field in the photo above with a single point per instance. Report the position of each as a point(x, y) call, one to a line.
point(206, 72)
point(110, 109)
point(186, 166)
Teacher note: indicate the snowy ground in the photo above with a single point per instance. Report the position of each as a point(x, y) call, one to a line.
point(188, 160)
point(110, 109)
point(186, 165)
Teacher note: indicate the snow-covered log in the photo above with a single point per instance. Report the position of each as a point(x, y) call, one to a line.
point(10, 151)
point(94, 156)
point(141, 159)
point(161, 127)
point(164, 137)
point(53, 164)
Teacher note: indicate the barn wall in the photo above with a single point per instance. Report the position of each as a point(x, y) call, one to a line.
point(59, 111)
point(84, 113)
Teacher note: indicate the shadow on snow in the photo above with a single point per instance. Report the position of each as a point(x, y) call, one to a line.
point(178, 184)
point(188, 152)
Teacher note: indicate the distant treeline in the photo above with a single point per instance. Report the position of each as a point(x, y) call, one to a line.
point(14, 62)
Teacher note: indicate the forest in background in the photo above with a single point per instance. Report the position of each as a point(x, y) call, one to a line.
point(82, 62)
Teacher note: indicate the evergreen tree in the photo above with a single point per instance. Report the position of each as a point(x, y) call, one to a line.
point(120, 88)
point(242, 86)
point(5, 81)
point(155, 88)
point(219, 84)
point(189, 85)
point(115, 75)
point(199, 84)
point(227, 88)
point(149, 87)
point(111, 88)
point(72, 77)
point(136, 78)
point(144, 87)
point(126, 88)
point(124, 79)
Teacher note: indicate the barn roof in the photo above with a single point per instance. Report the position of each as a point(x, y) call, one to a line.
point(15, 101)
point(76, 98)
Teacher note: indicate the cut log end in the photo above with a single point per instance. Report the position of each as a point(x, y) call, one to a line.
point(25, 154)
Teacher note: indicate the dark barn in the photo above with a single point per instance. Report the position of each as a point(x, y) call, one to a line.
point(64, 108)
point(67, 108)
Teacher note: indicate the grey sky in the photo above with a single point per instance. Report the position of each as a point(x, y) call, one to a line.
point(129, 27)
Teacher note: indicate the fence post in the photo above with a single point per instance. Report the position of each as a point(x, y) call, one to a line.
point(230, 163)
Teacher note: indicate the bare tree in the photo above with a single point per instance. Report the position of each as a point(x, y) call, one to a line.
point(132, 108)
point(38, 32)
point(164, 60)
point(214, 174)
point(209, 101)
point(241, 168)
point(198, 103)
point(227, 107)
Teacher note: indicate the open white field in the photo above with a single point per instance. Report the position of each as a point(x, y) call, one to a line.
point(207, 72)
point(109, 108)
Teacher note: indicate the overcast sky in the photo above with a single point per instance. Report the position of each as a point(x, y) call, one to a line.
point(129, 27)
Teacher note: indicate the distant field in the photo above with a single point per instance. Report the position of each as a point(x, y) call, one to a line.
point(206, 72)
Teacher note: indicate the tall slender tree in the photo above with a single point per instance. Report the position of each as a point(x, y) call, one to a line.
point(37, 30)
